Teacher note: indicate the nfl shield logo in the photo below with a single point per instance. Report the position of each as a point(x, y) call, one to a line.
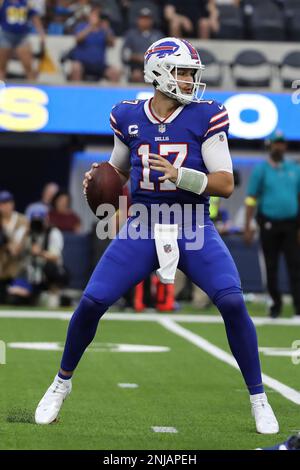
point(162, 128)
point(167, 248)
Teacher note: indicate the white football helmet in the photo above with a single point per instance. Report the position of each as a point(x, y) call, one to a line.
point(161, 62)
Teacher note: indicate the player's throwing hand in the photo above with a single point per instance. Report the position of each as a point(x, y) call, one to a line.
point(88, 177)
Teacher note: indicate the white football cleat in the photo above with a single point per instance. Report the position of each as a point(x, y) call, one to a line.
point(265, 420)
point(51, 403)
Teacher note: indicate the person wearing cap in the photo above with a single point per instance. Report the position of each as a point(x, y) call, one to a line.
point(137, 40)
point(13, 229)
point(273, 193)
point(43, 268)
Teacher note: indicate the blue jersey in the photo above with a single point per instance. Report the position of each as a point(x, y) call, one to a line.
point(15, 16)
point(179, 138)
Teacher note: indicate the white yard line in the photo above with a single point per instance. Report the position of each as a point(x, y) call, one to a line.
point(167, 429)
point(129, 385)
point(122, 316)
point(287, 392)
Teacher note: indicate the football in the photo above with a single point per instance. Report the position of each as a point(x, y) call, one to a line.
point(105, 187)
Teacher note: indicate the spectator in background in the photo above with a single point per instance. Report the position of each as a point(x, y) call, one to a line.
point(15, 18)
point(13, 230)
point(79, 12)
point(43, 267)
point(62, 216)
point(136, 42)
point(88, 57)
point(274, 189)
point(191, 18)
point(60, 16)
point(48, 193)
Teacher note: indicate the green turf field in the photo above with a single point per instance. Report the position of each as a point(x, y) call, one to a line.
point(184, 386)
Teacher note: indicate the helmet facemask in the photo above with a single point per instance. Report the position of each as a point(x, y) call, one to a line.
point(171, 86)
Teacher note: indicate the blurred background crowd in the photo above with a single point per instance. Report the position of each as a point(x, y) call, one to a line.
point(93, 26)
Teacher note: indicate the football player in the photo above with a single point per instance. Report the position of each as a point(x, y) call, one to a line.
point(174, 147)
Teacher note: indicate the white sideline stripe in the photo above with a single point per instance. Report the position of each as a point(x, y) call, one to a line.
point(164, 429)
point(120, 316)
point(287, 392)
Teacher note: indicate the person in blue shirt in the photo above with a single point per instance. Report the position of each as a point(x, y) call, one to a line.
point(16, 17)
point(274, 190)
point(174, 147)
point(88, 56)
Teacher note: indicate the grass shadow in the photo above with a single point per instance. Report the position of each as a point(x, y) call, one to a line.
point(20, 415)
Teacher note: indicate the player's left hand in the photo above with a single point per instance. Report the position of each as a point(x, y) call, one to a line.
point(161, 164)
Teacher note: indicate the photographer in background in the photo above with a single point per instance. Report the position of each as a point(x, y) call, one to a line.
point(44, 270)
point(13, 230)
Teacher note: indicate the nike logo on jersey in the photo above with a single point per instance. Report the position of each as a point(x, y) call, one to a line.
point(221, 107)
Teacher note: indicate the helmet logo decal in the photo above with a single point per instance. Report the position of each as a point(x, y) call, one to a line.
point(162, 50)
point(192, 50)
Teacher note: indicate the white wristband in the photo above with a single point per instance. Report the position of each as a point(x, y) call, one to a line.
point(191, 180)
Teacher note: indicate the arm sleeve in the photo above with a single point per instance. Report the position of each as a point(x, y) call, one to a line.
point(216, 154)
point(255, 182)
point(120, 157)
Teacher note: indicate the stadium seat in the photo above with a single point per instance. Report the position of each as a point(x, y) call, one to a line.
point(212, 74)
point(294, 26)
point(290, 68)
point(231, 22)
point(251, 69)
point(292, 14)
point(135, 8)
point(267, 22)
